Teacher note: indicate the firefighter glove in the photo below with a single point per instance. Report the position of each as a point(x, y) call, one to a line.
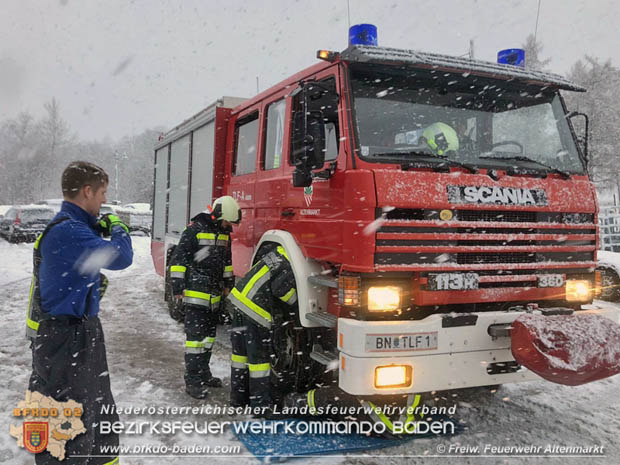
point(108, 221)
point(103, 285)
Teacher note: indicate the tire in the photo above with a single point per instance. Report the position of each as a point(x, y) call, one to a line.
point(610, 283)
point(292, 369)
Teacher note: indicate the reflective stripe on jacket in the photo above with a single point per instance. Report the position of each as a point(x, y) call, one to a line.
point(202, 261)
point(270, 278)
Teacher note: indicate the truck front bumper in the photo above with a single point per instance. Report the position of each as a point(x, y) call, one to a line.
point(443, 351)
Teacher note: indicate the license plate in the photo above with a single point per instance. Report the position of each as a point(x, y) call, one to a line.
point(401, 342)
point(550, 280)
point(452, 281)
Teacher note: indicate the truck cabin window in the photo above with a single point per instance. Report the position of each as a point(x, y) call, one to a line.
point(274, 135)
point(325, 100)
point(246, 139)
point(477, 120)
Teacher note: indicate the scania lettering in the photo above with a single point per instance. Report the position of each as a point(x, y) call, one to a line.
point(496, 195)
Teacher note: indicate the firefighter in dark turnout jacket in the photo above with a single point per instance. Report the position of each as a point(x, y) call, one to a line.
point(257, 300)
point(201, 270)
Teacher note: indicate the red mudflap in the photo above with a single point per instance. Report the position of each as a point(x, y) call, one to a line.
point(567, 349)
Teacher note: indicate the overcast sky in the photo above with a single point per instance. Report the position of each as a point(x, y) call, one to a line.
point(118, 67)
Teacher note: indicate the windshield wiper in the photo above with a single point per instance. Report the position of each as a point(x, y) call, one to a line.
point(410, 162)
point(549, 169)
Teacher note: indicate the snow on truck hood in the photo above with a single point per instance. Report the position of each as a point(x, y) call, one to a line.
point(411, 189)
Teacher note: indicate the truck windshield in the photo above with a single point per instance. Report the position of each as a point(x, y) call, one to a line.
point(484, 122)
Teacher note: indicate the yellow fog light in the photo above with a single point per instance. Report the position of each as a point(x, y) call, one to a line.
point(383, 298)
point(578, 290)
point(393, 376)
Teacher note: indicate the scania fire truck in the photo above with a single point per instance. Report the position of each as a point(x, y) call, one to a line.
point(410, 263)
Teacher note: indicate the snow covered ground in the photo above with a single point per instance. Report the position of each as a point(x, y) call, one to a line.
point(145, 355)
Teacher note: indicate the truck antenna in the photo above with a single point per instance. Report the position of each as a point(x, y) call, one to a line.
point(257, 92)
point(537, 15)
point(349, 13)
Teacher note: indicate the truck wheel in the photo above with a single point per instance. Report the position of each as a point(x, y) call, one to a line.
point(610, 283)
point(291, 365)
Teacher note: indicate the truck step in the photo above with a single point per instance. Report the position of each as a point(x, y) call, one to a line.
point(323, 280)
point(324, 357)
point(323, 318)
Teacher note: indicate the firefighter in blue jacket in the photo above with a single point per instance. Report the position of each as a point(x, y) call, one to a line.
point(260, 298)
point(201, 270)
point(69, 356)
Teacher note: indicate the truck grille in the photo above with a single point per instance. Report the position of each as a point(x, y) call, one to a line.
point(474, 239)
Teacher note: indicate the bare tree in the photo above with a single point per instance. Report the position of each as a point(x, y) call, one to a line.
point(18, 149)
point(134, 155)
point(600, 103)
point(533, 50)
point(54, 138)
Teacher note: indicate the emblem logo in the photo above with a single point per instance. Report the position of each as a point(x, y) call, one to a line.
point(308, 191)
point(35, 436)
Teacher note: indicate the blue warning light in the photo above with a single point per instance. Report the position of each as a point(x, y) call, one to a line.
point(363, 34)
point(511, 56)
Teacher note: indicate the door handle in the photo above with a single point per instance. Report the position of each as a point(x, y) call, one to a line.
point(288, 212)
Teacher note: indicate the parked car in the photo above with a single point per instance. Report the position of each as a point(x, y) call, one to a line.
point(609, 266)
point(106, 208)
point(137, 216)
point(25, 222)
point(145, 207)
point(56, 204)
point(4, 209)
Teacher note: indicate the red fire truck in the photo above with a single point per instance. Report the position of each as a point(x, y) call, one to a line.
point(410, 263)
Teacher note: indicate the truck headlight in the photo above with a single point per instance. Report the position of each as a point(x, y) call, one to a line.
point(383, 298)
point(578, 290)
point(393, 376)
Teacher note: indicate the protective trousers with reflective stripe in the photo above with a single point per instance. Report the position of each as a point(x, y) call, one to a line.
point(200, 327)
point(251, 346)
point(69, 363)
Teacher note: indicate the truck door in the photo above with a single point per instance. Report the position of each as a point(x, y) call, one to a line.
point(314, 215)
point(242, 181)
point(270, 178)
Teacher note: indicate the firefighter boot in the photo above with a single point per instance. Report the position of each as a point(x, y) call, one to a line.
point(196, 391)
point(212, 381)
point(299, 405)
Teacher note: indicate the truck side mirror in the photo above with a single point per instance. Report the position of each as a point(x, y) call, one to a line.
point(583, 140)
point(314, 139)
point(308, 146)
